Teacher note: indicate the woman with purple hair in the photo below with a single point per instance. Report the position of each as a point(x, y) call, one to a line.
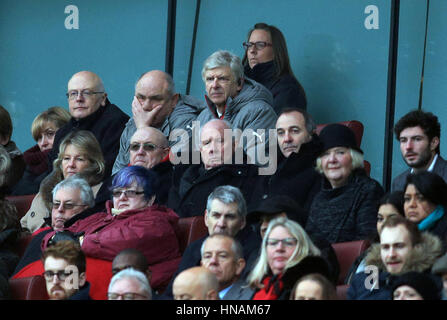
point(132, 220)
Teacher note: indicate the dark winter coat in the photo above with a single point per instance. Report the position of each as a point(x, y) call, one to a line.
point(82, 294)
point(286, 90)
point(192, 185)
point(36, 170)
point(165, 171)
point(8, 259)
point(17, 169)
point(295, 177)
point(347, 213)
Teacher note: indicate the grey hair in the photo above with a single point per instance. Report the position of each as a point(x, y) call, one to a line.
point(228, 194)
point(357, 161)
point(236, 246)
point(171, 85)
point(130, 273)
point(224, 58)
point(305, 247)
point(5, 165)
point(75, 182)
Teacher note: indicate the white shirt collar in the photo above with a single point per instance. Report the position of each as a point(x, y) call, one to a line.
point(432, 165)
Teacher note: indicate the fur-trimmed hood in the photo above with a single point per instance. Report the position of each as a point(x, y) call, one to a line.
point(422, 257)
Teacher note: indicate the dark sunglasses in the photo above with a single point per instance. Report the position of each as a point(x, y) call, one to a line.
point(148, 147)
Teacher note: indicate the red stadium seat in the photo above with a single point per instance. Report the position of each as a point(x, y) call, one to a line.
point(22, 203)
point(354, 125)
point(346, 253)
point(342, 291)
point(190, 229)
point(29, 288)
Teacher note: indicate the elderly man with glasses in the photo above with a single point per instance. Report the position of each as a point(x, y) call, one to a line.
point(91, 110)
point(149, 148)
point(70, 197)
point(129, 284)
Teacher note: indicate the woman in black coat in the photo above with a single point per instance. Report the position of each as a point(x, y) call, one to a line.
point(266, 61)
point(345, 208)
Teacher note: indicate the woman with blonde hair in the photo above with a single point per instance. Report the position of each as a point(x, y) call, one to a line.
point(287, 254)
point(345, 207)
point(43, 130)
point(79, 153)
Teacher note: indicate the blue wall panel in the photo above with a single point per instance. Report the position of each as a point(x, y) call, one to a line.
point(409, 68)
point(38, 54)
point(435, 79)
point(342, 65)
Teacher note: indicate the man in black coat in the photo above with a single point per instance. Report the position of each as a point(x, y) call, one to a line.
point(298, 148)
point(91, 110)
point(192, 184)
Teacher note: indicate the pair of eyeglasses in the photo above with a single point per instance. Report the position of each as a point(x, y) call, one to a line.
point(84, 93)
point(61, 275)
point(65, 206)
point(125, 296)
point(128, 193)
point(287, 242)
point(259, 45)
point(148, 147)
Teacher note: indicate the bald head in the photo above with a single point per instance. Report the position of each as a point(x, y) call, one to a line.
point(197, 283)
point(156, 88)
point(215, 148)
point(157, 78)
point(148, 147)
point(93, 94)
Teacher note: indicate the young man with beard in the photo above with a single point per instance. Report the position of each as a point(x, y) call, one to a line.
point(402, 248)
point(65, 277)
point(418, 133)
